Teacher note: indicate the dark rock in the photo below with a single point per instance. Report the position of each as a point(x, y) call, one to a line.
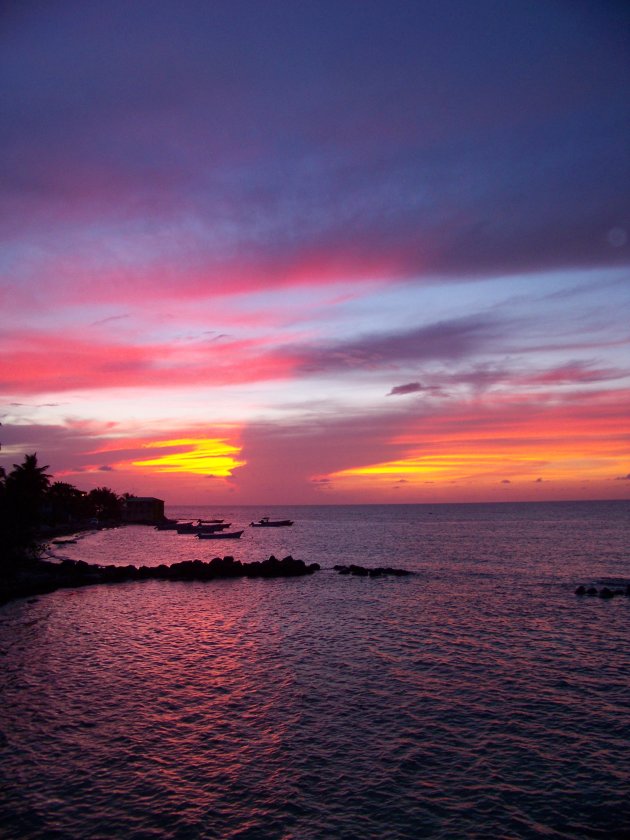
point(605, 592)
point(378, 571)
point(591, 591)
point(42, 576)
point(581, 590)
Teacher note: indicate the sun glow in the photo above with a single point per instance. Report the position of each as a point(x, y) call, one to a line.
point(199, 456)
point(491, 462)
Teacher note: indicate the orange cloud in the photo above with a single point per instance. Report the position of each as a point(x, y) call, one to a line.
point(199, 456)
point(519, 440)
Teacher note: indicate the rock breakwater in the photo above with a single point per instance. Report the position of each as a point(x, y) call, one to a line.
point(40, 577)
point(363, 571)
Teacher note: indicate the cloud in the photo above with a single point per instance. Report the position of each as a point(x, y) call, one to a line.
point(106, 468)
point(410, 388)
point(446, 340)
point(574, 372)
point(623, 477)
point(506, 481)
point(35, 363)
point(519, 172)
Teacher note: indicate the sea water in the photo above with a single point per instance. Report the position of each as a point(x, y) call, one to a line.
point(477, 698)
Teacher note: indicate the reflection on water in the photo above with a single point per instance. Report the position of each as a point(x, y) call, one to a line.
point(478, 698)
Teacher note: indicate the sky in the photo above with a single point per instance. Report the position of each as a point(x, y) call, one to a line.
point(317, 252)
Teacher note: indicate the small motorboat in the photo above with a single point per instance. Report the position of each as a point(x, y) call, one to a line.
point(167, 525)
point(265, 522)
point(199, 529)
point(219, 535)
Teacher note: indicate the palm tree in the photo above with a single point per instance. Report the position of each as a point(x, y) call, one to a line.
point(28, 480)
point(106, 505)
point(66, 503)
point(21, 507)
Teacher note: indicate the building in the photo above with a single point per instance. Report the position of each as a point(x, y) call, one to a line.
point(143, 509)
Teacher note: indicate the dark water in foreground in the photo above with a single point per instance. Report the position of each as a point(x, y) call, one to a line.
point(478, 698)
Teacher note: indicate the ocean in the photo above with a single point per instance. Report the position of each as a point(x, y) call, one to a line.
point(478, 698)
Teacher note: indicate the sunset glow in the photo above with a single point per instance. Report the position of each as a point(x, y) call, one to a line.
point(385, 258)
point(199, 457)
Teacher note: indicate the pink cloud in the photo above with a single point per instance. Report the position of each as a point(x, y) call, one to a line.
point(34, 363)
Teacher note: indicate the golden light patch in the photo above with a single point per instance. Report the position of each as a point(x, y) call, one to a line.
point(485, 467)
point(203, 456)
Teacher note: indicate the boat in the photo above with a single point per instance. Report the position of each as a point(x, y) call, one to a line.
point(199, 529)
point(219, 535)
point(167, 525)
point(265, 522)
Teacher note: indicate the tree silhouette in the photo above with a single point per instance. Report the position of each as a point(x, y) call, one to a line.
point(22, 497)
point(66, 503)
point(105, 504)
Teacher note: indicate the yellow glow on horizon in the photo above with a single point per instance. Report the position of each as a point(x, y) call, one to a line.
point(205, 456)
point(485, 467)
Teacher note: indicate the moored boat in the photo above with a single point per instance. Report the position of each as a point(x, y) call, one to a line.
point(219, 535)
point(167, 525)
point(191, 528)
point(265, 522)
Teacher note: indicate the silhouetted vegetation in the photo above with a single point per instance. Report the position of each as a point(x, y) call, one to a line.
point(22, 495)
point(31, 509)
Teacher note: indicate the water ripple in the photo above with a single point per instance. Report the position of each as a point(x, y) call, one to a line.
point(474, 699)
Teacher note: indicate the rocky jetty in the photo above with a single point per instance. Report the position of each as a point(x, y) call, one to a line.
point(362, 571)
point(39, 576)
point(609, 591)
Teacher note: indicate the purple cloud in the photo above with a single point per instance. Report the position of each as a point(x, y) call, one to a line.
point(446, 340)
point(525, 169)
point(410, 388)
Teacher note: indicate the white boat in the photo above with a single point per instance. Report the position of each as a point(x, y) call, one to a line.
point(265, 522)
point(219, 535)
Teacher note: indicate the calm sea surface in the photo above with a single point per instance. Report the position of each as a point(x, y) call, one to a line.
point(479, 698)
